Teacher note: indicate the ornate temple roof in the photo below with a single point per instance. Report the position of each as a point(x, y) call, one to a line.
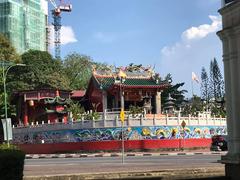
point(131, 77)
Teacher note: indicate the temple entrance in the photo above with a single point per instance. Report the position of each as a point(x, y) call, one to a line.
point(132, 103)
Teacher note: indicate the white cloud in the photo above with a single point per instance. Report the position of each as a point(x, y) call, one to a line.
point(170, 50)
point(193, 34)
point(67, 35)
point(203, 30)
point(197, 47)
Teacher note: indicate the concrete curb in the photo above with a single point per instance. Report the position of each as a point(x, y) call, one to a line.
point(47, 156)
point(188, 173)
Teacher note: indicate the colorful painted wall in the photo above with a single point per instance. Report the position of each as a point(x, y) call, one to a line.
point(111, 134)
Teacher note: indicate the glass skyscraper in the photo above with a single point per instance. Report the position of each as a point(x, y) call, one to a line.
point(25, 23)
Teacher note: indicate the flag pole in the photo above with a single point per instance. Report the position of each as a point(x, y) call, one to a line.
point(192, 88)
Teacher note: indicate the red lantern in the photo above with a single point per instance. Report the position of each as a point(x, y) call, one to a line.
point(31, 103)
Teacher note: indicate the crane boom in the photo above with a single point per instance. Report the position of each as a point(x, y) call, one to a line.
point(56, 14)
point(53, 3)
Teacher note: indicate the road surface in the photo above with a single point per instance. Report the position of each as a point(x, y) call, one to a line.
point(57, 166)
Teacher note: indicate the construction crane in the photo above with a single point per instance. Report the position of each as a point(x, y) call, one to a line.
point(56, 14)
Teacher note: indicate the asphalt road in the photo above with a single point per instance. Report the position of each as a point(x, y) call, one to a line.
point(114, 164)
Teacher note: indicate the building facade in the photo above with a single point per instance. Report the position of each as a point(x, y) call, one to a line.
point(24, 22)
point(41, 105)
point(126, 87)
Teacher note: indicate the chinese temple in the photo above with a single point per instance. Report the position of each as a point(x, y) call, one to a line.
point(41, 105)
point(108, 89)
point(133, 85)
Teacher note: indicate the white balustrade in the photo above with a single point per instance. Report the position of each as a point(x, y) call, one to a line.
point(130, 121)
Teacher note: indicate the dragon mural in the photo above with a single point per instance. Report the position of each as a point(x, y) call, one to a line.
point(129, 133)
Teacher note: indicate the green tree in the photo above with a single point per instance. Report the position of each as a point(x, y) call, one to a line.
point(8, 55)
point(205, 86)
point(175, 92)
point(7, 51)
point(78, 69)
point(41, 71)
point(77, 110)
point(216, 81)
point(193, 106)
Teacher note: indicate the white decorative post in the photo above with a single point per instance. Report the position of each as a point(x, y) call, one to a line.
point(154, 120)
point(141, 121)
point(198, 119)
point(167, 119)
point(179, 118)
point(189, 119)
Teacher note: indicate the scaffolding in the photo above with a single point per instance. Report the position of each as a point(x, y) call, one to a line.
point(24, 22)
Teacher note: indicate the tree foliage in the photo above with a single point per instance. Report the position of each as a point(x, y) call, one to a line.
point(205, 93)
point(78, 69)
point(212, 90)
point(8, 55)
point(41, 71)
point(175, 93)
point(216, 80)
point(193, 107)
point(77, 110)
point(7, 51)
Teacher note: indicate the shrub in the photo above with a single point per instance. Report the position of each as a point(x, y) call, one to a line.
point(11, 163)
point(135, 110)
point(76, 109)
point(92, 116)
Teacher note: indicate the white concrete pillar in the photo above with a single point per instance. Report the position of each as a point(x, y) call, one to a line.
point(230, 36)
point(158, 103)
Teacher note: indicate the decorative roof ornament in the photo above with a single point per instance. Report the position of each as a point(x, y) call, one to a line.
point(122, 74)
point(134, 68)
point(130, 72)
point(105, 70)
point(57, 100)
point(94, 69)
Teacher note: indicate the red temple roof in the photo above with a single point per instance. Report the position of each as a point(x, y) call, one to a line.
point(78, 93)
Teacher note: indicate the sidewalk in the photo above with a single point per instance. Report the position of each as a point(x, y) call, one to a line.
point(188, 173)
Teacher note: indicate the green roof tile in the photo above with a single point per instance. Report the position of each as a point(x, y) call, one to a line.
point(106, 82)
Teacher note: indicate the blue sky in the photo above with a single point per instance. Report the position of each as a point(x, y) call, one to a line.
point(174, 36)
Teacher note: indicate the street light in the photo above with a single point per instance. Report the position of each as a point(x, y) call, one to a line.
point(4, 76)
point(122, 77)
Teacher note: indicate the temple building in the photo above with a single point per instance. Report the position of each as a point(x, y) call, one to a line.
point(133, 85)
point(107, 90)
point(41, 105)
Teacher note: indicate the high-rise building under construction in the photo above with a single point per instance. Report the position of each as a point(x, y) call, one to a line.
point(24, 22)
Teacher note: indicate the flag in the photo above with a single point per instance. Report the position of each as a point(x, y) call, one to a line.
point(194, 77)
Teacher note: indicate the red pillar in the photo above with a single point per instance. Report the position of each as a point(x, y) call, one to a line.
point(65, 118)
point(25, 118)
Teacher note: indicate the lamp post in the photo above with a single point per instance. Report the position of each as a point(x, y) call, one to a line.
point(122, 77)
point(4, 76)
point(122, 116)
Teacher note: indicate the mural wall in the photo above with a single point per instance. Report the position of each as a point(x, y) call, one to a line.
point(129, 133)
